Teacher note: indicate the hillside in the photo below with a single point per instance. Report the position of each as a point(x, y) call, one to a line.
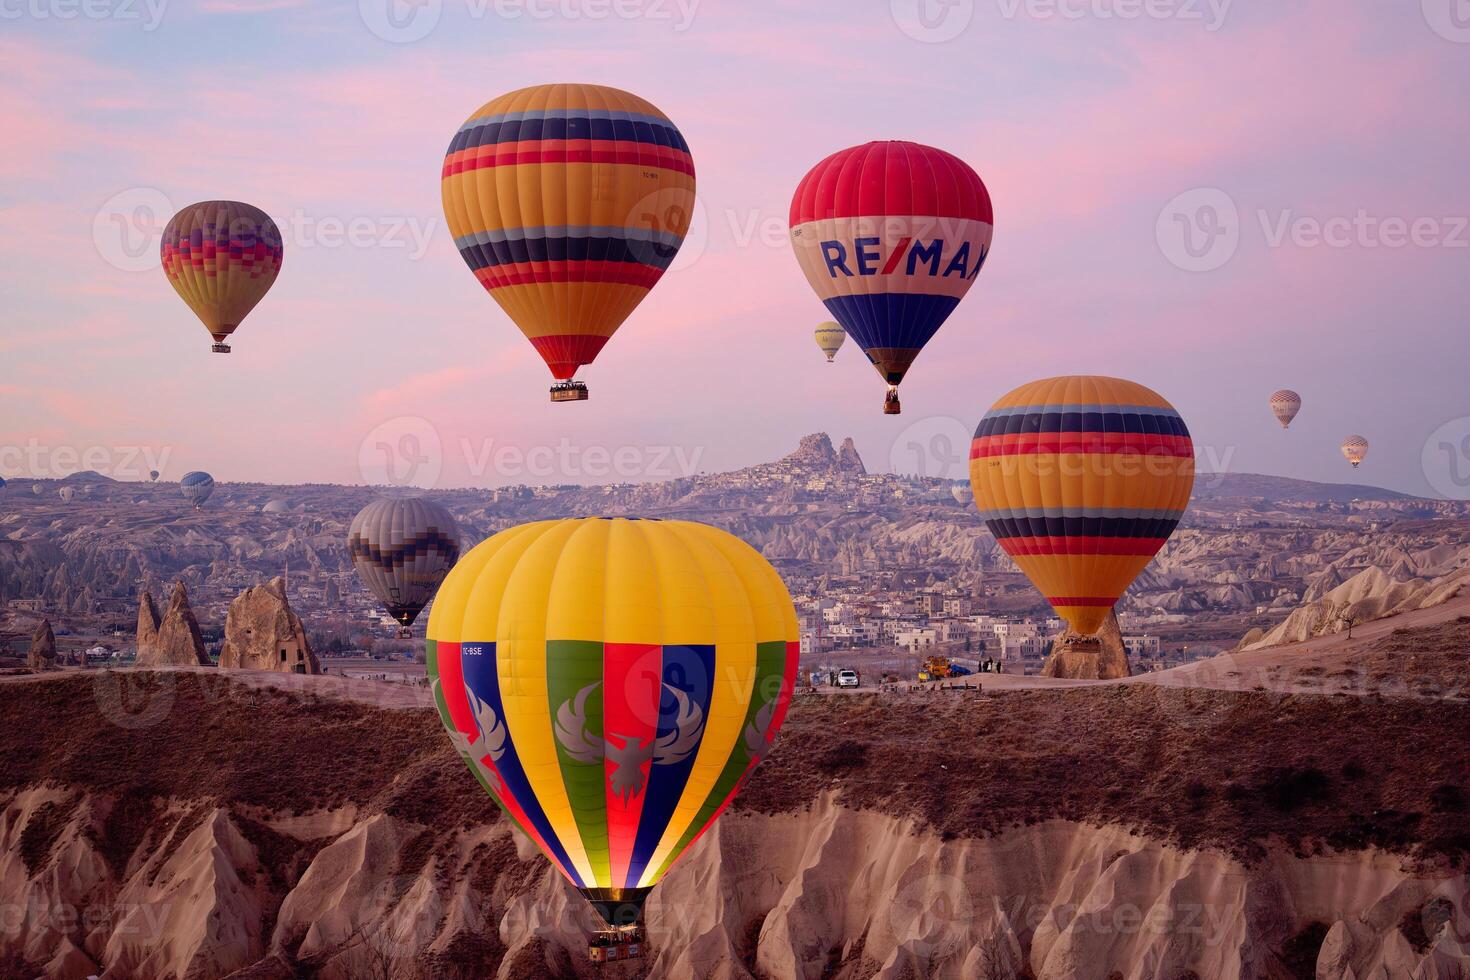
point(245, 805)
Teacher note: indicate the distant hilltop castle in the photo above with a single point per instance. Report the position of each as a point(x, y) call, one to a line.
point(815, 452)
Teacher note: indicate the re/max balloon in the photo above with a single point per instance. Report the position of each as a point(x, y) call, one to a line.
point(612, 683)
point(568, 203)
point(1082, 480)
point(891, 236)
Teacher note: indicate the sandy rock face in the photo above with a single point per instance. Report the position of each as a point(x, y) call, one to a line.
point(1084, 658)
point(262, 633)
point(175, 639)
point(42, 655)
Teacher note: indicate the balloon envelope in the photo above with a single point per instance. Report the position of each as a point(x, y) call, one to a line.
point(611, 683)
point(1285, 404)
point(36, 489)
point(196, 487)
point(153, 475)
point(221, 257)
point(66, 494)
point(402, 549)
point(1355, 449)
point(891, 235)
point(829, 339)
point(1082, 480)
point(568, 202)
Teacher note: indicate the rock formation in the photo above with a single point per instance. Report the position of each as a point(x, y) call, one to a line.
point(1371, 594)
point(43, 648)
point(848, 460)
point(262, 633)
point(1078, 657)
point(173, 640)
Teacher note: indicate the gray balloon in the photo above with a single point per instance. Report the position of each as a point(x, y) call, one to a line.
point(196, 487)
point(402, 549)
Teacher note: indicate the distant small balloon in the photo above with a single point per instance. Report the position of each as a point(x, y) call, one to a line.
point(960, 492)
point(36, 489)
point(1284, 405)
point(153, 476)
point(829, 339)
point(66, 494)
point(196, 487)
point(1355, 449)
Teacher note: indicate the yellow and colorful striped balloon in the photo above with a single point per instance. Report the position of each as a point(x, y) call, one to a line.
point(221, 257)
point(1082, 480)
point(611, 683)
point(568, 202)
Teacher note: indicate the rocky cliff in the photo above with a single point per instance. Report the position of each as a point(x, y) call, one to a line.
point(1246, 835)
point(262, 633)
point(1334, 604)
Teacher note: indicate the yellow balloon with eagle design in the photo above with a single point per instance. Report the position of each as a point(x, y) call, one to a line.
point(612, 683)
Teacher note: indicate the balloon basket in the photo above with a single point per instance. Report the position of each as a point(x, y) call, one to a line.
point(616, 945)
point(405, 632)
point(891, 405)
point(220, 348)
point(569, 391)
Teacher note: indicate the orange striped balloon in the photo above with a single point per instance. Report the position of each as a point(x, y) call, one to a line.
point(221, 257)
point(1082, 480)
point(568, 202)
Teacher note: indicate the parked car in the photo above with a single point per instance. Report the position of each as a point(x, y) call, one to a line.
point(848, 678)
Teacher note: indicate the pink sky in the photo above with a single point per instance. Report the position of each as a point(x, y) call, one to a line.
point(1086, 123)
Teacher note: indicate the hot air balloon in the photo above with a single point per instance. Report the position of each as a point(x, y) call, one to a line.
point(829, 338)
point(402, 549)
point(1082, 480)
point(568, 202)
point(891, 235)
point(611, 683)
point(153, 476)
point(960, 493)
point(66, 494)
point(196, 488)
point(1355, 449)
point(36, 489)
point(221, 257)
point(1284, 405)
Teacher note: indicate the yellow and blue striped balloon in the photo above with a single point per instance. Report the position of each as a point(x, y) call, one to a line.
point(1082, 480)
point(611, 683)
point(568, 203)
